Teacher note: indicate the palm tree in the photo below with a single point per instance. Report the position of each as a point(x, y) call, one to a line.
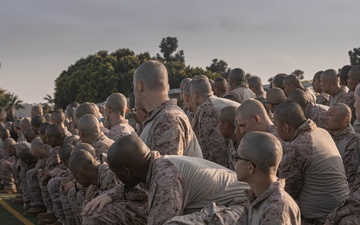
point(10, 102)
point(49, 99)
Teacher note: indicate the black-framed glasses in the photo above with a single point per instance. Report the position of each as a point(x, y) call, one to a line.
point(240, 158)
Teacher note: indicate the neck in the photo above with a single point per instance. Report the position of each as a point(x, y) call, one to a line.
point(261, 184)
point(265, 124)
point(94, 174)
point(154, 100)
point(338, 131)
point(334, 88)
point(115, 118)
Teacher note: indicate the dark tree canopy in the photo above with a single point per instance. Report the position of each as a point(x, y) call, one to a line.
point(355, 57)
point(94, 78)
point(220, 67)
point(299, 74)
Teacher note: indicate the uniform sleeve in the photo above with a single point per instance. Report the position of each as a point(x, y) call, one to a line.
point(165, 194)
point(351, 163)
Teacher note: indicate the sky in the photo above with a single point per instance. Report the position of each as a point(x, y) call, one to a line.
point(39, 39)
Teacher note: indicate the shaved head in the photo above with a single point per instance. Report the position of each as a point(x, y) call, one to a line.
point(343, 110)
point(86, 108)
point(290, 113)
point(263, 149)
point(275, 96)
point(54, 130)
point(58, 116)
point(279, 80)
point(250, 108)
point(36, 122)
point(86, 147)
point(227, 114)
point(29, 135)
point(353, 78)
point(129, 151)
point(89, 125)
point(9, 146)
point(255, 83)
point(330, 75)
point(237, 75)
point(25, 124)
point(300, 97)
point(201, 86)
point(36, 110)
point(65, 152)
point(117, 102)
point(82, 164)
point(153, 74)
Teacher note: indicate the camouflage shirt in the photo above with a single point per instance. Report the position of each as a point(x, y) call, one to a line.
point(317, 113)
point(337, 96)
point(311, 164)
point(274, 206)
point(242, 93)
point(101, 144)
point(348, 144)
point(349, 100)
point(322, 98)
point(212, 143)
point(120, 129)
point(168, 130)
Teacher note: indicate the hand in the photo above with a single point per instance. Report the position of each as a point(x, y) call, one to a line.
point(67, 186)
point(97, 203)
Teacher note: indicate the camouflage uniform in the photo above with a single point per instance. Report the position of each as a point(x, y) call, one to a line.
point(211, 141)
point(348, 144)
point(8, 168)
point(21, 138)
point(168, 130)
point(23, 181)
point(322, 98)
point(76, 198)
point(54, 190)
point(101, 144)
point(274, 206)
point(356, 126)
point(242, 93)
point(233, 153)
point(181, 185)
point(32, 179)
point(69, 215)
point(337, 96)
point(347, 213)
point(120, 129)
point(314, 172)
point(317, 113)
point(349, 100)
point(123, 210)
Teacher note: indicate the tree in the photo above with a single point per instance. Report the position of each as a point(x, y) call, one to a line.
point(220, 67)
point(299, 74)
point(49, 99)
point(168, 47)
point(355, 57)
point(10, 102)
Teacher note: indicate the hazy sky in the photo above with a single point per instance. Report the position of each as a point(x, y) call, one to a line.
point(40, 39)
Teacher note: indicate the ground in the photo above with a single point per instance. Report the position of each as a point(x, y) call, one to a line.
point(12, 214)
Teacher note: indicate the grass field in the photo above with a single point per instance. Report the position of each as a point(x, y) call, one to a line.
point(12, 214)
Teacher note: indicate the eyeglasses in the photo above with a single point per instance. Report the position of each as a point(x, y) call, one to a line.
point(240, 158)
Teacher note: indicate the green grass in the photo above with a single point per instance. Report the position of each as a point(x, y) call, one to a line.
point(6, 218)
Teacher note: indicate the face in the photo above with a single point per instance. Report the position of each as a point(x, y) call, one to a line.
point(50, 140)
point(125, 176)
point(81, 178)
point(352, 83)
point(245, 125)
point(333, 122)
point(223, 128)
point(281, 130)
point(324, 84)
point(287, 88)
point(357, 106)
point(241, 167)
point(316, 85)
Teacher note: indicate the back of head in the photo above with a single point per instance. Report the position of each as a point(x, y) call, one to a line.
point(58, 116)
point(43, 127)
point(279, 80)
point(86, 147)
point(85, 108)
point(344, 74)
point(330, 75)
point(89, 125)
point(227, 114)
point(4, 133)
point(25, 124)
point(129, 151)
point(117, 103)
point(317, 75)
point(290, 113)
point(74, 104)
point(36, 110)
point(154, 75)
point(184, 82)
point(275, 96)
point(294, 81)
point(29, 135)
point(355, 73)
point(232, 97)
point(37, 120)
point(299, 96)
point(255, 83)
point(263, 149)
point(70, 111)
point(27, 156)
point(237, 75)
point(343, 111)
point(250, 108)
point(201, 86)
point(220, 83)
point(65, 152)
point(81, 160)
point(9, 146)
point(55, 131)
point(21, 146)
point(186, 88)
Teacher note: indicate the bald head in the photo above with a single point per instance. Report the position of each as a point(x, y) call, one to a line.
point(85, 108)
point(36, 122)
point(201, 87)
point(227, 114)
point(153, 74)
point(58, 117)
point(300, 97)
point(36, 110)
point(250, 108)
point(129, 151)
point(290, 113)
point(353, 78)
point(4, 133)
point(279, 80)
point(88, 126)
point(9, 146)
point(65, 153)
point(330, 75)
point(81, 164)
point(275, 96)
point(29, 135)
point(255, 83)
point(263, 149)
point(117, 103)
point(342, 110)
point(184, 82)
point(237, 76)
point(87, 147)
point(38, 148)
point(344, 74)
point(27, 156)
point(220, 86)
point(25, 124)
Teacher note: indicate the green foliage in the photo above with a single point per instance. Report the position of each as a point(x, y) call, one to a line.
point(220, 67)
point(168, 47)
point(355, 57)
point(299, 74)
point(9, 102)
